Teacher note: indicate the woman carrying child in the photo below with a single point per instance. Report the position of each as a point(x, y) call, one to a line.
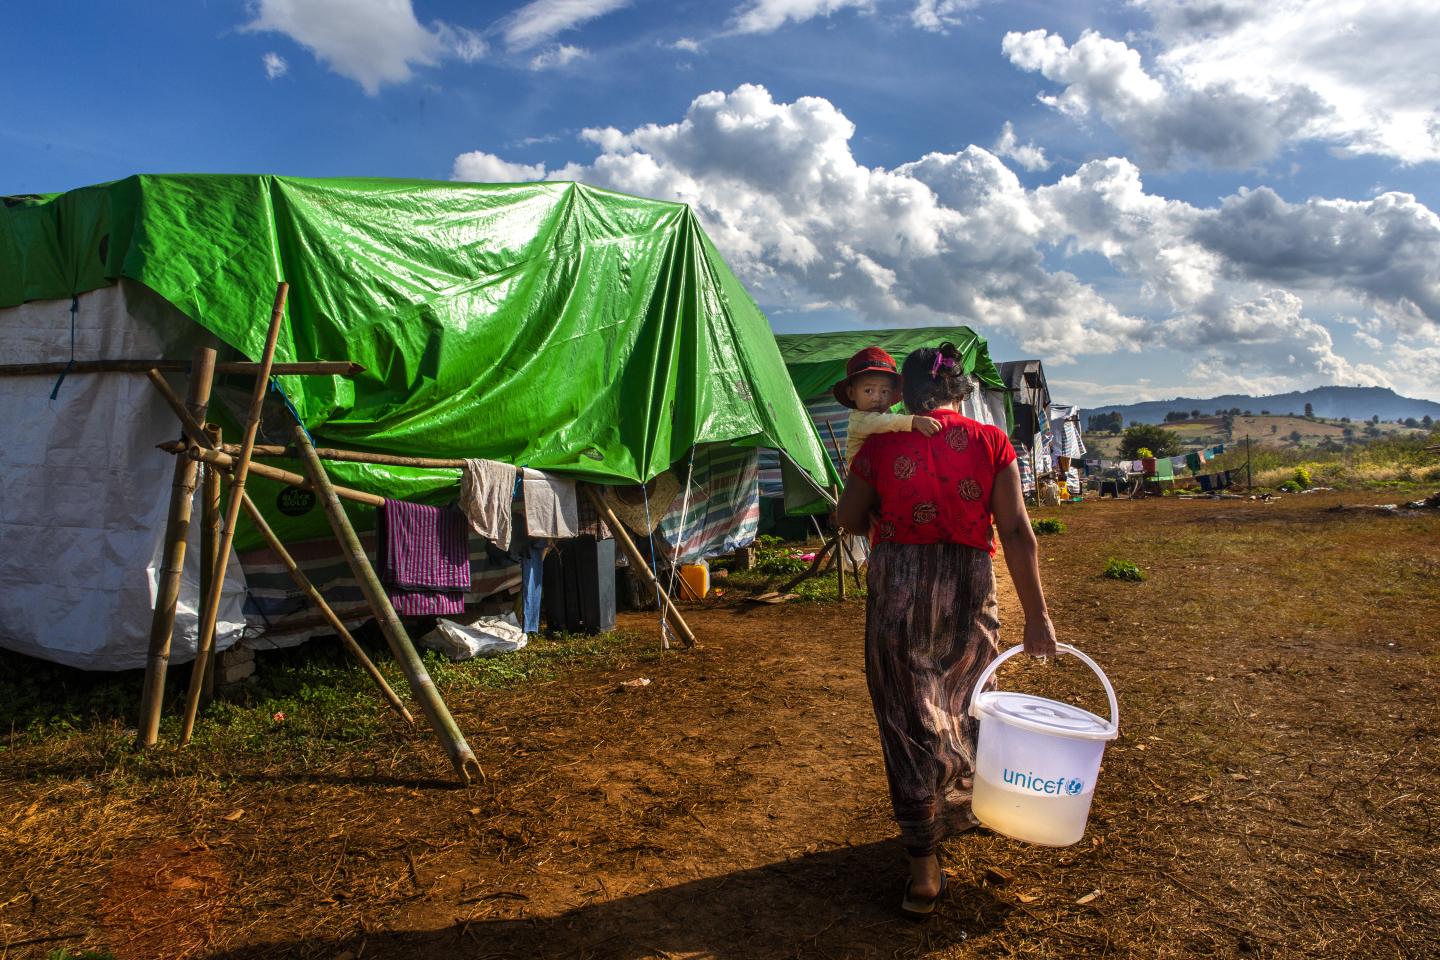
point(927, 499)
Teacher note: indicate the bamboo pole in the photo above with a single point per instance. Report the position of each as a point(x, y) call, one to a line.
point(210, 611)
point(209, 537)
point(638, 561)
point(421, 686)
point(177, 528)
point(331, 368)
point(839, 552)
point(273, 473)
point(350, 456)
point(311, 591)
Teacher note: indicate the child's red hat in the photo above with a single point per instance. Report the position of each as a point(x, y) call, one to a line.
point(869, 360)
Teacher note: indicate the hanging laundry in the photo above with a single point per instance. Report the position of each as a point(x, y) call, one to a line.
point(1027, 469)
point(424, 555)
point(1193, 461)
point(551, 510)
point(1207, 483)
point(1222, 480)
point(1163, 469)
point(486, 489)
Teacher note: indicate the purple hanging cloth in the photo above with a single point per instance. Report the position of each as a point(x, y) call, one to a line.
point(424, 557)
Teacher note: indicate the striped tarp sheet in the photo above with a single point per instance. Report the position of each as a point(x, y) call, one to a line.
point(284, 617)
point(724, 509)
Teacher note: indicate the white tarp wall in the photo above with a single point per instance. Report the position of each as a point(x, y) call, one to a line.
point(83, 491)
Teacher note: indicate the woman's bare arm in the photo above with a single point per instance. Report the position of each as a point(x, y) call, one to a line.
point(1018, 540)
point(856, 504)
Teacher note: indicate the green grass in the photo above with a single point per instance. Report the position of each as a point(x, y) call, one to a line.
point(1118, 569)
point(326, 700)
point(1047, 525)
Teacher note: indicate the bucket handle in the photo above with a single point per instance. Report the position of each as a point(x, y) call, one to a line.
point(1061, 648)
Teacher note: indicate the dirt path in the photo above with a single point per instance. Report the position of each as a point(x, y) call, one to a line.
point(1270, 797)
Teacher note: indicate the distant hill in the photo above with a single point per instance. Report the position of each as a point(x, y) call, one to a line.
point(1357, 403)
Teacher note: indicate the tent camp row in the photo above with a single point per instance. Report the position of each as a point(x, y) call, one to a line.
point(555, 326)
point(1013, 395)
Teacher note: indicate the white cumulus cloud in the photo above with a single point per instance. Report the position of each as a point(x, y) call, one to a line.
point(937, 15)
point(477, 166)
point(275, 65)
point(1233, 84)
point(1250, 288)
point(1028, 155)
point(373, 42)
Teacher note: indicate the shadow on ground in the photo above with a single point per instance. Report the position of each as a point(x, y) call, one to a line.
point(841, 902)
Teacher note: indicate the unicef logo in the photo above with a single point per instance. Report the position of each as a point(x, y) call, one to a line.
point(1074, 787)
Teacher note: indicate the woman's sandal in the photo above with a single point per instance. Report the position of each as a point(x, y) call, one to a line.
point(920, 908)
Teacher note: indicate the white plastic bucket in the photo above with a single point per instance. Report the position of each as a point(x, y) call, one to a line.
point(1037, 759)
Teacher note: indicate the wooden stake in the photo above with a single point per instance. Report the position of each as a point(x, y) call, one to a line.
point(209, 538)
point(311, 591)
point(637, 561)
point(177, 529)
point(210, 611)
point(421, 686)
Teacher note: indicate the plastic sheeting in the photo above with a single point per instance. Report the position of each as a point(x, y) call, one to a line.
point(549, 325)
point(84, 493)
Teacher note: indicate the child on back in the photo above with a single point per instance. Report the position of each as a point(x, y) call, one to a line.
point(870, 388)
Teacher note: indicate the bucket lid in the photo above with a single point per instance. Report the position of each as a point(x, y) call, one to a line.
point(1045, 716)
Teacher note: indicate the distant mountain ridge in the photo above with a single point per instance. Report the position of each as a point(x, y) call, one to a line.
point(1357, 403)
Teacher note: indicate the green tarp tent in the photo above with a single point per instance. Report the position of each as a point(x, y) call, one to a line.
point(551, 325)
point(548, 325)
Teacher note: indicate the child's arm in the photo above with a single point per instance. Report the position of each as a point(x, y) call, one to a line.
point(863, 423)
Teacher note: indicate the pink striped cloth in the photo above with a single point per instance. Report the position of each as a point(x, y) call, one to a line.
point(424, 558)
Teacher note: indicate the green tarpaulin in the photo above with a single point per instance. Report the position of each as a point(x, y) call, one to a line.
point(817, 360)
point(551, 325)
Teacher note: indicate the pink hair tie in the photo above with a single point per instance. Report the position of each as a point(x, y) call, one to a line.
point(941, 362)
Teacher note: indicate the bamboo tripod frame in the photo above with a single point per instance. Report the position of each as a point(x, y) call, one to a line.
point(193, 430)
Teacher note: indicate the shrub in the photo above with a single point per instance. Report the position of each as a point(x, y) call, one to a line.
point(1144, 453)
point(1290, 486)
point(1301, 477)
point(1047, 525)
point(1117, 569)
point(1163, 443)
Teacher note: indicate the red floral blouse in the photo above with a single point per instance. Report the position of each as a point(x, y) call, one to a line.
point(935, 489)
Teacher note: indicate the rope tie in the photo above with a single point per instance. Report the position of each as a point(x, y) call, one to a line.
point(70, 364)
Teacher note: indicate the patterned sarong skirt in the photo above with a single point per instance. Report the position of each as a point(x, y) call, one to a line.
point(931, 627)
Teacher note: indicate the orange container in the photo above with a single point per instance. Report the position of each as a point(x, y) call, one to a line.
point(697, 577)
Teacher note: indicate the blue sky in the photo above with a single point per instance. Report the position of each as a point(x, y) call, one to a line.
point(1157, 197)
